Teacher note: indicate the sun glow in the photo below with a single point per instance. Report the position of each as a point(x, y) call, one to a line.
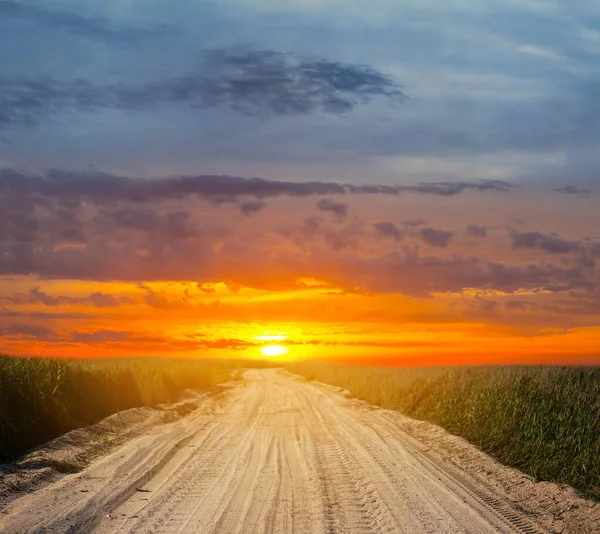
point(272, 351)
point(271, 338)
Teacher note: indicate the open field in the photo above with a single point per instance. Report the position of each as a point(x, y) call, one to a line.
point(41, 399)
point(543, 420)
point(274, 453)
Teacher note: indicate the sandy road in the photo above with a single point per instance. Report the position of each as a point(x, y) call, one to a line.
point(274, 453)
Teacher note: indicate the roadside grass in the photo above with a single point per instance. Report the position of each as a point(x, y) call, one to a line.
point(41, 398)
point(544, 421)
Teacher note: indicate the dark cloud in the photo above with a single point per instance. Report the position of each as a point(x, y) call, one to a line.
point(448, 189)
point(251, 82)
point(97, 299)
point(160, 301)
point(477, 231)
point(74, 187)
point(436, 238)
point(115, 338)
point(582, 254)
point(96, 226)
point(26, 102)
point(388, 230)
point(339, 209)
point(27, 331)
point(93, 27)
point(249, 207)
point(335, 257)
point(410, 273)
point(573, 190)
point(264, 82)
point(57, 314)
point(151, 219)
point(551, 244)
point(442, 189)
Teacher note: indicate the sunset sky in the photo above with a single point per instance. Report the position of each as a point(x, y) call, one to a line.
point(388, 181)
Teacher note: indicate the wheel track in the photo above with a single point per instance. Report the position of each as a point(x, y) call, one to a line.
point(443, 505)
point(276, 454)
point(192, 485)
point(501, 508)
point(348, 489)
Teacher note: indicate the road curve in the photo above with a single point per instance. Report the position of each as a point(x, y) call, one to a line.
point(273, 454)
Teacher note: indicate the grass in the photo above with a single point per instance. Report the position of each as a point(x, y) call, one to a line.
point(41, 399)
point(544, 421)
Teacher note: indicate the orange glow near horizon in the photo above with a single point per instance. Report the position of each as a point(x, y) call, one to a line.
point(181, 319)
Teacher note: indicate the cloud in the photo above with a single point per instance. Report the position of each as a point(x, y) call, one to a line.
point(388, 230)
point(449, 189)
point(573, 190)
point(339, 209)
point(337, 258)
point(436, 238)
point(70, 187)
point(410, 273)
point(116, 338)
point(477, 231)
point(263, 83)
point(96, 299)
point(548, 243)
point(250, 207)
point(97, 226)
point(172, 224)
point(26, 102)
point(583, 254)
point(73, 187)
point(93, 27)
point(27, 331)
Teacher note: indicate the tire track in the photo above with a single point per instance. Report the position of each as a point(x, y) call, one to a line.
point(275, 454)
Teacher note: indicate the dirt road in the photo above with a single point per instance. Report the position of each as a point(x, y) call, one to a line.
point(274, 453)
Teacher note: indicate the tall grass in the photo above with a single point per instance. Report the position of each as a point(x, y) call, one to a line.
point(41, 399)
point(542, 420)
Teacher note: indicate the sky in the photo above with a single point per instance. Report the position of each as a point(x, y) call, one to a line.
point(392, 182)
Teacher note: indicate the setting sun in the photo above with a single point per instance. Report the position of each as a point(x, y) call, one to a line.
point(274, 350)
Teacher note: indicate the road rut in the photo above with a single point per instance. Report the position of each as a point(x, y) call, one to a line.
point(273, 454)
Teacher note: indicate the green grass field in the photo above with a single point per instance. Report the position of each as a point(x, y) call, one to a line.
point(41, 399)
point(542, 420)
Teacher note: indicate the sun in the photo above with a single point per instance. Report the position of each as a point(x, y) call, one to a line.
point(272, 351)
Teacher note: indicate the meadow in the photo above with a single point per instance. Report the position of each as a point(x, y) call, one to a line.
point(41, 398)
point(544, 421)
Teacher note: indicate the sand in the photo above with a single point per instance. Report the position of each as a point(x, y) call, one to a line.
point(274, 453)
